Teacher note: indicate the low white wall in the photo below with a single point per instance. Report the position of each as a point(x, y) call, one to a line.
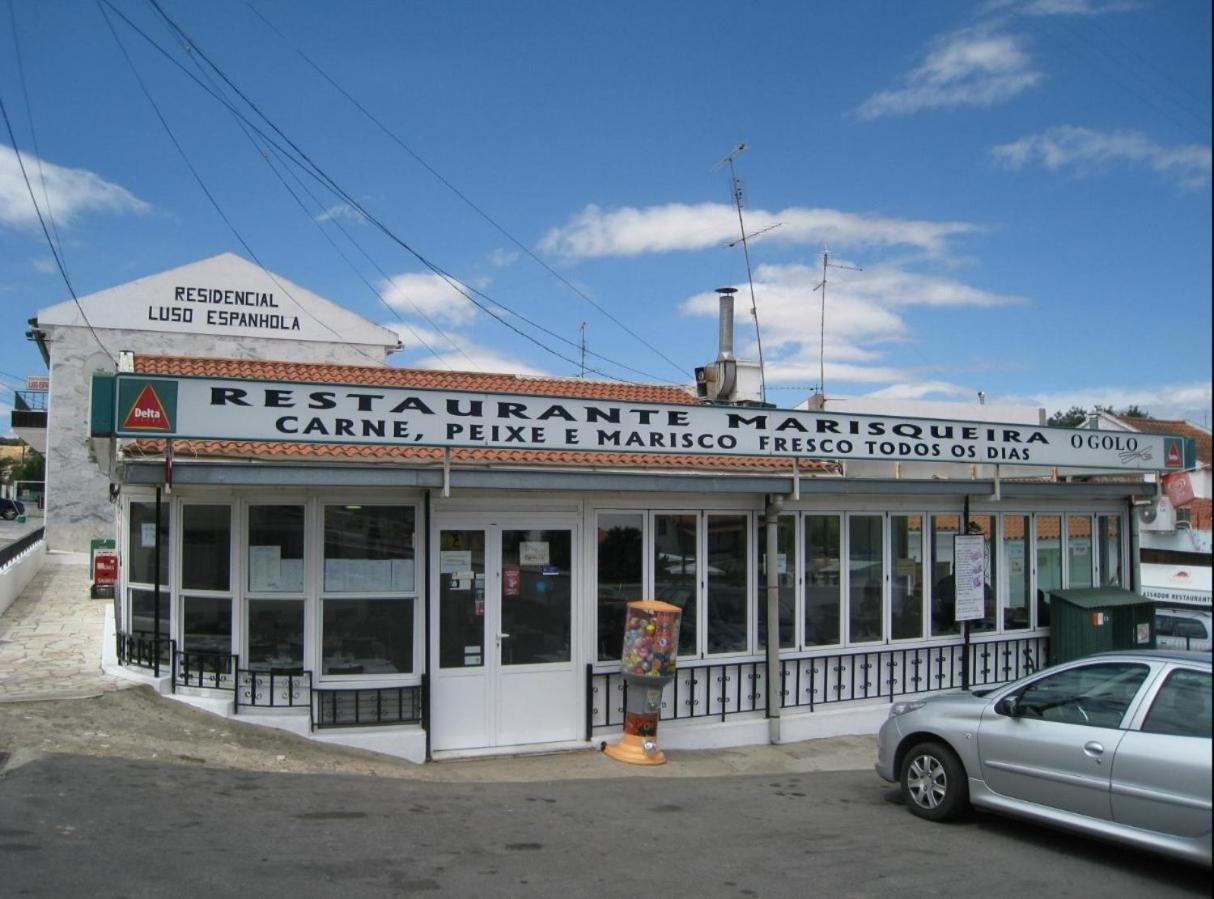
point(16, 575)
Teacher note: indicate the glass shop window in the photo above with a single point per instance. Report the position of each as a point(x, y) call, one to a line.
point(1015, 558)
point(985, 525)
point(143, 617)
point(206, 624)
point(823, 579)
point(141, 542)
point(674, 570)
point(276, 635)
point(865, 561)
point(206, 547)
point(1049, 563)
point(621, 549)
point(726, 583)
point(906, 594)
point(1108, 532)
point(786, 574)
point(367, 636)
point(1079, 551)
point(369, 549)
point(276, 549)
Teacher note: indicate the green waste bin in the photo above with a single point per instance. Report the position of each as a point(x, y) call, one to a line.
point(1099, 619)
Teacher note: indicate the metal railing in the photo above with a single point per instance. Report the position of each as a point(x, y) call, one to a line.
point(140, 650)
point(704, 689)
point(273, 688)
point(17, 547)
point(204, 669)
point(366, 707)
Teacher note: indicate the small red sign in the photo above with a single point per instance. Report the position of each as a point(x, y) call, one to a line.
point(147, 413)
point(105, 568)
point(511, 581)
point(1173, 459)
point(1179, 488)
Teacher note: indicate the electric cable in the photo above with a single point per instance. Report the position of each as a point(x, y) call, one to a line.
point(455, 190)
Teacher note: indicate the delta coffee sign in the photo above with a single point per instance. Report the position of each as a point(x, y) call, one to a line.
point(275, 411)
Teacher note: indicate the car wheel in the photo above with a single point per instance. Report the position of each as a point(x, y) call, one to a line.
point(9, 514)
point(933, 782)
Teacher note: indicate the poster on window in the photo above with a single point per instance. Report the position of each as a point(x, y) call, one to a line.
point(969, 573)
point(533, 552)
point(511, 580)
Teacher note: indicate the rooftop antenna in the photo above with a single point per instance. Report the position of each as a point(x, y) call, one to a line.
point(826, 263)
point(582, 374)
point(736, 187)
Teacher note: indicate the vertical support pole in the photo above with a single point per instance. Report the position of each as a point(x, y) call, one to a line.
point(156, 593)
point(775, 683)
point(965, 625)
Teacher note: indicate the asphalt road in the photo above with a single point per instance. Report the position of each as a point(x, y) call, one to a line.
point(100, 827)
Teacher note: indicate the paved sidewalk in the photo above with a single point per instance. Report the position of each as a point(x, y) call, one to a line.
point(50, 637)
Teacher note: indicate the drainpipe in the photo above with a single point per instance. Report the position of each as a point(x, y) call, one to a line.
point(1135, 549)
point(775, 684)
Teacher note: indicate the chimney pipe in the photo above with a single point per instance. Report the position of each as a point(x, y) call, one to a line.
point(726, 325)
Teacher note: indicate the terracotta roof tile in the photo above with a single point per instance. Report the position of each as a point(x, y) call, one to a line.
point(1176, 426)
point(386, 376)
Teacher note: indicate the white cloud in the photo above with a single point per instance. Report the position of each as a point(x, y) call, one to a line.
point(630, 231)
point(500, 258)
point(1191, 401)
point(343, 211)
point(922, 389)
point(862, 313)
point(45, 264)
point(429, 294)
point(453, 351)
point(71, 192)
point(1043, 8)
point(1087, 152)
point(971, 67)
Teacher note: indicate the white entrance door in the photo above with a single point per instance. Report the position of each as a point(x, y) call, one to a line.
point(502, 647)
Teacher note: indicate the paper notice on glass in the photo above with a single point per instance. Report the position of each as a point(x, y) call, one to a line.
point(533, 552)
point(460, 580)
point(292, 576)
point(402, 574)
point(147, 535)
point(265, 568)
point(337, 575)
point(450, 560)
point(969, 574)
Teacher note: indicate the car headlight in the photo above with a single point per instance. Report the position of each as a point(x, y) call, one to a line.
point(901, 708)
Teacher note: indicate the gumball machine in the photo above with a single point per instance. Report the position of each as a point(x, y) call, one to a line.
point(651, 642)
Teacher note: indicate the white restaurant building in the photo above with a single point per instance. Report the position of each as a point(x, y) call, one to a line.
point(432, 563)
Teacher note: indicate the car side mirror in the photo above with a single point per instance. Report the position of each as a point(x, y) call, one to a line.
point(1006, 706)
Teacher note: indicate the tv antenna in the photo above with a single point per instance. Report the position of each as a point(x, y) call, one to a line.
point(736, 187)
point(826, 263)
point(582, 374)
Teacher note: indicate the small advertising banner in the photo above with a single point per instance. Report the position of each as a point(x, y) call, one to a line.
point(510, 581)
point(969, 571)
point(105, 574)
point(1179, 488)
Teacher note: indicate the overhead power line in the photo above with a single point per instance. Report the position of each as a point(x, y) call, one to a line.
point(400, 142)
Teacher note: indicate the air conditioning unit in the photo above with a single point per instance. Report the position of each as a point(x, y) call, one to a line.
point(1157, 516)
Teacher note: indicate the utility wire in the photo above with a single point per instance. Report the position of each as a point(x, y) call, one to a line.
point(315, 171)
point(47, 234)
point(455, 190)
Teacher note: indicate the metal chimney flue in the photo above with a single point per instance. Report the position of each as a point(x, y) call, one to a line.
point(725, 339)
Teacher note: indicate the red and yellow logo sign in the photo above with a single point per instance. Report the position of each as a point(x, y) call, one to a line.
point(147, 413)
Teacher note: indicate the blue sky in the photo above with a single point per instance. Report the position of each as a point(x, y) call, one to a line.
point(1026, 185)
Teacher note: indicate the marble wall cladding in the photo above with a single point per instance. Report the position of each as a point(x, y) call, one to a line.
point(78, 507)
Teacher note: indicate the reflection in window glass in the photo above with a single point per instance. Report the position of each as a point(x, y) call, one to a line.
point(367, 636)
point(823, 590)
point(985, 525)
point(1182, 706)
point(1079, 550)
point(1015, 540)
point(1109, 533)
point(276, 634)
point(786, 571)
point(141, 543)
point(1090, 696)
point(143, 617)
point(864, 564)
point(206, 624)
point(368, 548)
point(537, 596)
point(944, 588)
point(276, 549)
point(906, 594)
point(726, 583)
point(1049, 563)
point(620, 572)
point(674, 571)
point(206, 543)
point(461, 599)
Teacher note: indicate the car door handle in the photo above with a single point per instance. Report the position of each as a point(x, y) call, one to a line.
point(1094, 749)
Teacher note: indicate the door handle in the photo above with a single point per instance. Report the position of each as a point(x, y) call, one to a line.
point(502, 636)
point(1093, 749)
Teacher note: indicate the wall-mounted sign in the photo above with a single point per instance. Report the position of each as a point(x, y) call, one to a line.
point(228, 409)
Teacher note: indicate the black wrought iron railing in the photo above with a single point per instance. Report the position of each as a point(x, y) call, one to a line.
point(143, 649)
point(722, 689)
point(273, 688)
point(366, 707)
point(204, 669)
point(17, 547)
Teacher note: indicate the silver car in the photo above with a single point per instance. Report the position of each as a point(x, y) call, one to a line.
point(1116, 745)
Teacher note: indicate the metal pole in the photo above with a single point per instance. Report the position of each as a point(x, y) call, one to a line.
point(775, 685)
point(965, 625)
point(156, 593)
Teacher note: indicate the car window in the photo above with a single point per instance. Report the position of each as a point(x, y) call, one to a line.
point(1182, 706)
point(1096, 695)
point(1164, 625)
point(1188, 627)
